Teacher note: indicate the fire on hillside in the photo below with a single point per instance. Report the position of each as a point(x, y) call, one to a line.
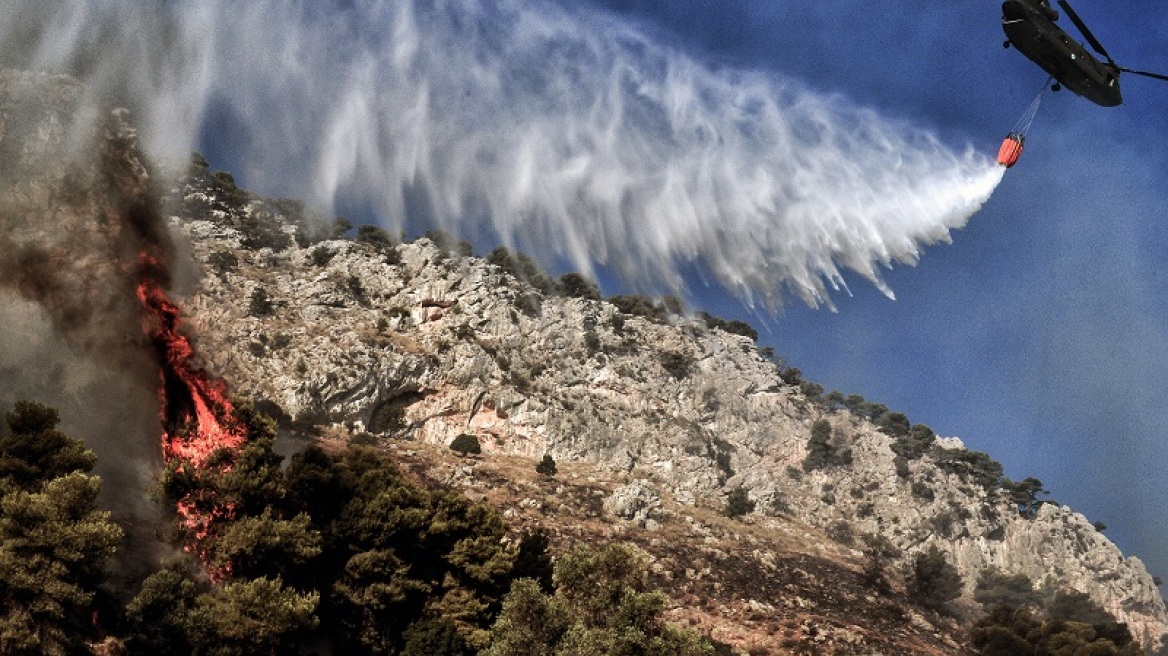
point(199, 422)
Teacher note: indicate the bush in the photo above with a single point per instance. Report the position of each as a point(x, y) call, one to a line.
point(356, 290)
point(466, 444)
point(821, 452)
point(591, 341)
point(434, 637)
point(894, 424)
point(738, 503)
point(932, 580)
point(1008, 630)
point(223, 261)
point(321, 256)
point(1024, 495)
point(879, 552)
point(995, 588)
point(374, 236)
point(912, 443)
point(547, 466)
point(841, 531)
point(638, 306)
point(723, 459)
point(733, 327)
point(263, 230)
point(811, 390)
point(339, 227)
point(972, 466)
point(677, 365)
point(601, 605)
point(791, 375)
point(259, 304)
point(574, 285)
point(922, 491)
point(388, 418)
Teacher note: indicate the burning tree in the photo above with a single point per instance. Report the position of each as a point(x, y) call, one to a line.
point(201, 429)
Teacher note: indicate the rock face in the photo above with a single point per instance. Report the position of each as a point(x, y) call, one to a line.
point(411, 342)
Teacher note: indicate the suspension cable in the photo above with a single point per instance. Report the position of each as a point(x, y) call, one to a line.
point(1023, 124)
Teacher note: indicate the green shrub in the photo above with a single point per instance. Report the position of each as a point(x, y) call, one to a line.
point(375, 236)
point(738, 503)
point(639, 306)
point(466, 444)
point(913, 443)
point(972, 466)
point(574, 285)
point(434, 637)
point(733, 327)
point(1023, 495)
point(223, 261)
point(922, 491)
point(388, 418)
point(1008, 630)
point(259, 304)
point(449, 243)
point(601, 605)
point(357, 290)
point(841, 531)
point(546, 466)
point(995, 588)
point(894, 424)
point(932, 581)
point(811, 390)
point(591, 341)
point(321, 256)
point(821, 451)
point(722, 458)
point(879, 553)
point(677, 365)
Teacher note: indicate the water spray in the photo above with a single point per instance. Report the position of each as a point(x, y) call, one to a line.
point(562, 131)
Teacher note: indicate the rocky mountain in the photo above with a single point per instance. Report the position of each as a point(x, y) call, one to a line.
point(421, 341)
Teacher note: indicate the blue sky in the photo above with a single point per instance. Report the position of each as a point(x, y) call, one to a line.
point(1040, 334)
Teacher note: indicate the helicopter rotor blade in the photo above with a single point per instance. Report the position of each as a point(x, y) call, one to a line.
point(1158, 76)
point(1084, 31)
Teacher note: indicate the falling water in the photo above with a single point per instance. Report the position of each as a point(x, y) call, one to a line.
point(558, 129)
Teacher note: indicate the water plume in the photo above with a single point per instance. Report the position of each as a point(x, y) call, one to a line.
point(555, 128)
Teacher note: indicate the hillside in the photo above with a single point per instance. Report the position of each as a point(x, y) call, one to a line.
point(662, 424)
point(412, 342)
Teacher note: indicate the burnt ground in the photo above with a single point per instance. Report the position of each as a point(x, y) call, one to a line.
point(761, 584)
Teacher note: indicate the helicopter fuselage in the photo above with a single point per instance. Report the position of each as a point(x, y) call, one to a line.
point(1030, 27)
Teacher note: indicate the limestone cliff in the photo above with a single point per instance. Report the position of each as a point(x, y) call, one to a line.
point(409, 341)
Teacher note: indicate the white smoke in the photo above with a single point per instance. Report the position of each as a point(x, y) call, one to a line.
point(564, 132)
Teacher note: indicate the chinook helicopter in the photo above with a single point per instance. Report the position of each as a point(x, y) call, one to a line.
point(1030, 27)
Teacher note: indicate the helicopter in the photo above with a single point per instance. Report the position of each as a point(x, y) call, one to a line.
point(1030, 27)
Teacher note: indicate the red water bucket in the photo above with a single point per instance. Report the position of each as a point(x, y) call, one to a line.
point(1011, 150)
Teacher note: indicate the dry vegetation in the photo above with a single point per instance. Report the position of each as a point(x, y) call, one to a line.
point(765, 585)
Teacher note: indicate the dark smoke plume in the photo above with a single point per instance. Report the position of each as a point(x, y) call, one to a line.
point(75, 213)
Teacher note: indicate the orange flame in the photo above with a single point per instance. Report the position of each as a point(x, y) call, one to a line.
point(197, 416)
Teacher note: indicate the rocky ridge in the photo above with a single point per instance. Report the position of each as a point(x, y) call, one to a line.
point(409, 341)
